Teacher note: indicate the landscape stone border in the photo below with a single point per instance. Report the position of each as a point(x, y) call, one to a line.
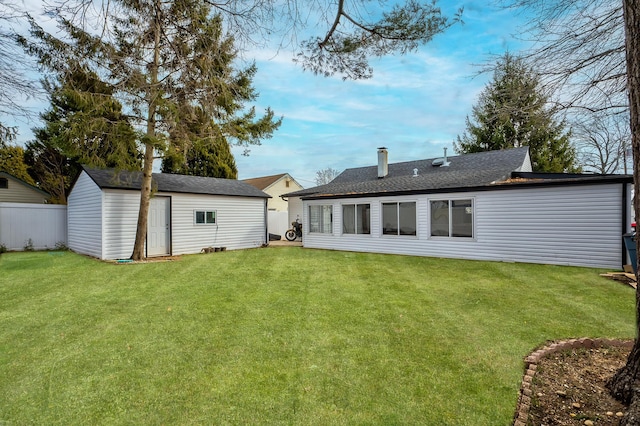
point(531, 365)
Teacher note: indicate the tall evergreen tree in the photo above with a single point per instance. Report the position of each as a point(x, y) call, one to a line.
point(85, 125)
point(202, 130)
point(512, 111)
point(207, 154)
point(165, 60)
point(204, 157)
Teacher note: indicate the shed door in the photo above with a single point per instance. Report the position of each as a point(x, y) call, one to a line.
point(159, 227)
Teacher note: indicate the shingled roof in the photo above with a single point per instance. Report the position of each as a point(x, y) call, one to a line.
point(165, 182)
point(264, 181)
point(464, 172)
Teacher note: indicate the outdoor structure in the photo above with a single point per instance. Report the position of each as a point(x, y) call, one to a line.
point(186, 214)
point(14, 190)
point(31, 226)
point(280, 217)
point(26, 221)
point(275, 186)
point(485, 206)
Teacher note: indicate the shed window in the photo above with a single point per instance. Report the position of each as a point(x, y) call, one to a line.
point(4, 183)
point(452, 218)
point(204, 217)
point(399, 218)
point(321, 219)
point(356, 218)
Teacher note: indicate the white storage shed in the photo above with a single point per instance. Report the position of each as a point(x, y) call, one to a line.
point(186, 214)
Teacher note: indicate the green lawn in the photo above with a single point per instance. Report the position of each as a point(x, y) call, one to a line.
point(284, 336)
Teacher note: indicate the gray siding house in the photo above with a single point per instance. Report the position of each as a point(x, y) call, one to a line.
point(484, 206)
point(14, 190)
point(186, 214)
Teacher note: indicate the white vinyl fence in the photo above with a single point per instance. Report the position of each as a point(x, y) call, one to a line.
point(33, 226)
point(278, 222)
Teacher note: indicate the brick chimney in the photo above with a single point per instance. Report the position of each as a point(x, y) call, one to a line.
point(383, 163)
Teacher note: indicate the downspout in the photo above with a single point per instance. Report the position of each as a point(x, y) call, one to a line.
point(266, 222)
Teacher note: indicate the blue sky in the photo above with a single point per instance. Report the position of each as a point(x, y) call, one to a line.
point(414, 105)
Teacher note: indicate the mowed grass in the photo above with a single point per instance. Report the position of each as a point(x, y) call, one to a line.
point(284, 336)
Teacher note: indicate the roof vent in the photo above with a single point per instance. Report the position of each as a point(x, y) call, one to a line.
point(441, 162)
point(415, 172)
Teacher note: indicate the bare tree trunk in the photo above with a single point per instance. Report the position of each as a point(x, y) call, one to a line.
point(143, 213)
point(624, 384)
point(147, 168)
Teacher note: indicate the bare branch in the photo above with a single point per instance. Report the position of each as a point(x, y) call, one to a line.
point(15, 85)
point(578, 50)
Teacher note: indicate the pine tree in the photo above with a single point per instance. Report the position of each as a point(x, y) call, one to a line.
point(199, 140)
point(512, 111)
point(84, 125)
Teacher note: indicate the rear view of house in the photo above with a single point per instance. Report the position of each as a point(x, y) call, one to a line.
point(485, 206)
point(186, 214)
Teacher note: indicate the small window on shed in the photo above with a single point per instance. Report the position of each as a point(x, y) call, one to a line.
point(4, 183)
point(204, 217)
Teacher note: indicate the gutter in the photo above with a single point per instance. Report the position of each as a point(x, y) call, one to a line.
point(498, 186)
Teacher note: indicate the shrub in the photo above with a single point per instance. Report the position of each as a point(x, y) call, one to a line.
point(62, 246)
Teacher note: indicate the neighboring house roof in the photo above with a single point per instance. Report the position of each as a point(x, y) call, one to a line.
point(28, 185)
point(465, 172)
point(165, 182)
point(265, 182)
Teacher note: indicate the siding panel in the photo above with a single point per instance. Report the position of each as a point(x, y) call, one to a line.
point(19, 192)
point(44, 224)
point(240, 223)
point(578, 225)
point(120, 222)
point(84, 217)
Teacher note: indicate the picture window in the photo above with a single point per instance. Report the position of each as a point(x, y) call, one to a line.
point(321, 219)
point(356, 219)
point(399, 218)
point(452, 218)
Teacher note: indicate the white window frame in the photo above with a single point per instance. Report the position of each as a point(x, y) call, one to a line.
point(450, 235)
point(206, 215)
point(355, 223)
point(321, 224)
point(398, 234)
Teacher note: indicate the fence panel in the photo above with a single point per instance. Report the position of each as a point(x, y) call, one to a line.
point(278, 222)
point(34, 226)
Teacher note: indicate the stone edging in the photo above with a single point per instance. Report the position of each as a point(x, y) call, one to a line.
point(531, 365)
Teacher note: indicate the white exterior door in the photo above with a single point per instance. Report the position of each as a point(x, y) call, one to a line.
point(159, 227)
